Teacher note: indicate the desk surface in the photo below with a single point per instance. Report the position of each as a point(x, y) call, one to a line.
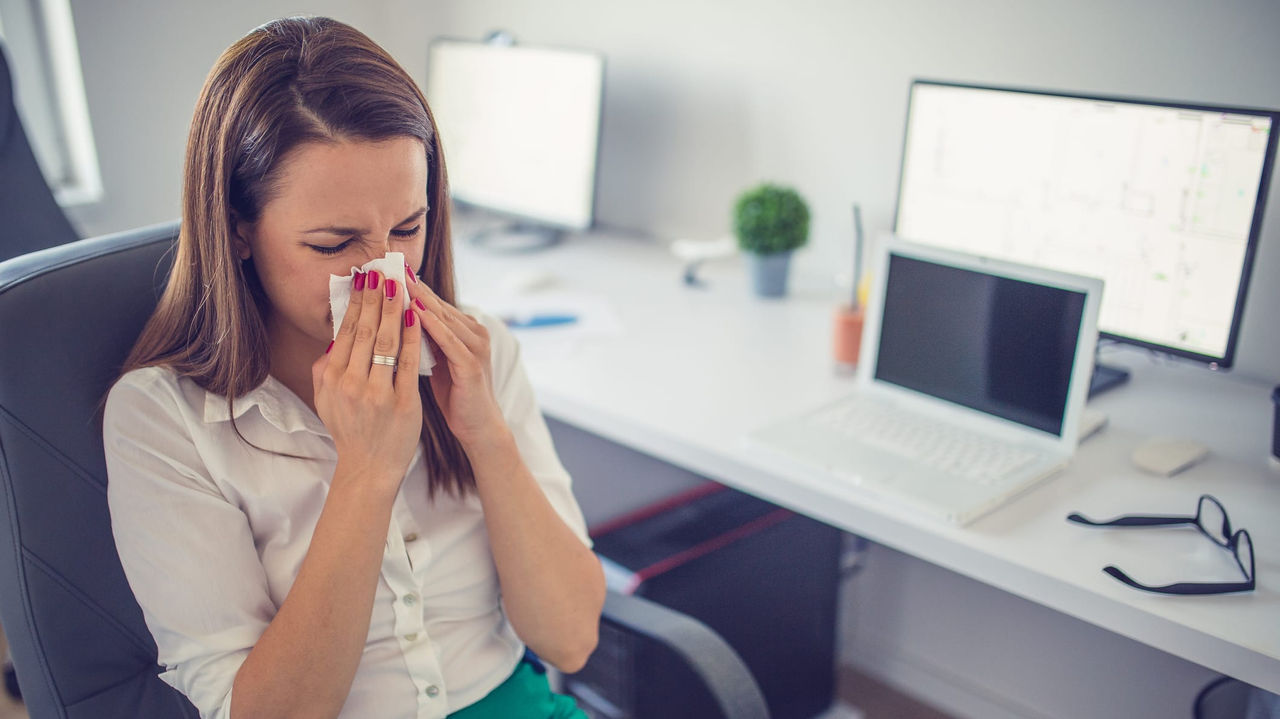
point(694, 370)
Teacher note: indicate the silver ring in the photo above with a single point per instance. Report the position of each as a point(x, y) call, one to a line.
point(384, 360)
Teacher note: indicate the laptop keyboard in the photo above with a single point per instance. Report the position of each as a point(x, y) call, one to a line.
point(937, 445)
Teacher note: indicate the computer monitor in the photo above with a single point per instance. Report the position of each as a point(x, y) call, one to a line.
point(520, 131)
point(1162, 200)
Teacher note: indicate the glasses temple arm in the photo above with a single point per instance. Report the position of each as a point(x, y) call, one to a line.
point(1182, 587)
point(1131, 521)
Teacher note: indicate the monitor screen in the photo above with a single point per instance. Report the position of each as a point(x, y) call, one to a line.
point(995, 344)
point(519, 126)
point(1163, 201)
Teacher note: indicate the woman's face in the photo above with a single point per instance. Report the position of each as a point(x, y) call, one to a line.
point(338, 205)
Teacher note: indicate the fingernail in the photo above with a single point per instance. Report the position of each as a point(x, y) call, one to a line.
point(358, 283)
point(409, 318)
point(372, 282)
point(408, 272)
point(391, 289)
point(419, 305)
point(326, 349)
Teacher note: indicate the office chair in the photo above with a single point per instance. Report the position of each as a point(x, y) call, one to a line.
point(30, 219)
point(1227, 698)
point(69, 316)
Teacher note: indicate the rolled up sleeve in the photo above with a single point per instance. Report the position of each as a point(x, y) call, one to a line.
point(187, 552)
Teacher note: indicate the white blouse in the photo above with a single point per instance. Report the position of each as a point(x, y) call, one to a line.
point(212, 532)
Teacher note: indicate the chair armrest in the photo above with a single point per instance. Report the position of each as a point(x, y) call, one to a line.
point(706, 652)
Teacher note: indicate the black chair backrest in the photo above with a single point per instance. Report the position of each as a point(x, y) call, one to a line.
point(68, 317)
point(30, 219)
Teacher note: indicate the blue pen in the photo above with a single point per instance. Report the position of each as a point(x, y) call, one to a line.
point(532, 321)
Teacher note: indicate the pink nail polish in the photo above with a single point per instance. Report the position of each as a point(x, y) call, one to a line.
point(357, 284)
point(409, 318)
point(391, 289)
point(408, 272)
point(419, 305)
point(372, 282)
point(326, 349)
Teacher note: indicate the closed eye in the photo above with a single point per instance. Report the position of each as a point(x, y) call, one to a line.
point(326, 250)
point(335, 249)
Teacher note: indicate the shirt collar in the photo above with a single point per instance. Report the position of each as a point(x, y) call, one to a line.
point(277, 404)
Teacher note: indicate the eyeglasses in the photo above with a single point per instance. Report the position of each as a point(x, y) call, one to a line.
point(1211, 519)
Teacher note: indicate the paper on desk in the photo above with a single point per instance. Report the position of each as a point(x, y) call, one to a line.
point(595, 318)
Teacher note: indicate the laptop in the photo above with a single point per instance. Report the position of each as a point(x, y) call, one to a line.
point(970, 386)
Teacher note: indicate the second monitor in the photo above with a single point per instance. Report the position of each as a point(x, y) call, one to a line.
point(1163, 201)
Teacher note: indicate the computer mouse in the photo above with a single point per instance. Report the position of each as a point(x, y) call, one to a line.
point(1166, 456)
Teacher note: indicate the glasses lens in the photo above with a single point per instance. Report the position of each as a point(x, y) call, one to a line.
point(1244, 553)
point(1213, 520)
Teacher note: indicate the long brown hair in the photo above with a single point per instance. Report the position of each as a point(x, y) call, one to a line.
point(291, 81)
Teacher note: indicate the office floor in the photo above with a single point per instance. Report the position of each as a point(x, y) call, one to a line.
point(873, 699)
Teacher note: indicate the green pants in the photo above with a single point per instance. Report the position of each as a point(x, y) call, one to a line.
point(524, 695)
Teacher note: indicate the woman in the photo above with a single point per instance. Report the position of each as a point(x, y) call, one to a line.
point(307, 532)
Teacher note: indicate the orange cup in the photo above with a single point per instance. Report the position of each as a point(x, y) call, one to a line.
point(848, 335)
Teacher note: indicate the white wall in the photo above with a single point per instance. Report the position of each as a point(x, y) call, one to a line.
point(705, 98)
point(144, 63)
point(981, 653)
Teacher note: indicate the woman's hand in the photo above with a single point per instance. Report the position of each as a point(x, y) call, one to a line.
point(462, 380)
point(373, 411)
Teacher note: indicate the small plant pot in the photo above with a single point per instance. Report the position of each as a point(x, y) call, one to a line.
point(769, 273)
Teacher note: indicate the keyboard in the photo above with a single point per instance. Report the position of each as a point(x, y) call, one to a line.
point(937, 445)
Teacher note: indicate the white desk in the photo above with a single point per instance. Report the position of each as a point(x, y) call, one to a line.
point(695, 370)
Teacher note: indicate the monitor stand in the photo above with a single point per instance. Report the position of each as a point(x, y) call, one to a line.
point(1105, 377)
point(516, 237)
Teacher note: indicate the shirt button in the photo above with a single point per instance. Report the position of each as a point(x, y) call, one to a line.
point(433, 691)
point(410, 537)
point(409, 599)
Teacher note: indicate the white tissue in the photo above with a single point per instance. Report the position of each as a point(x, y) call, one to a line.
point(390, 267)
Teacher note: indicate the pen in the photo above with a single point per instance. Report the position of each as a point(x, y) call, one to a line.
point(857, 252)
point(532, 321)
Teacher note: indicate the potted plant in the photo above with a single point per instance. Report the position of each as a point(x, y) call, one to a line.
point(770, 222)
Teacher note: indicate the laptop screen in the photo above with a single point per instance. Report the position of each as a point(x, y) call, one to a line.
point(991, 343)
